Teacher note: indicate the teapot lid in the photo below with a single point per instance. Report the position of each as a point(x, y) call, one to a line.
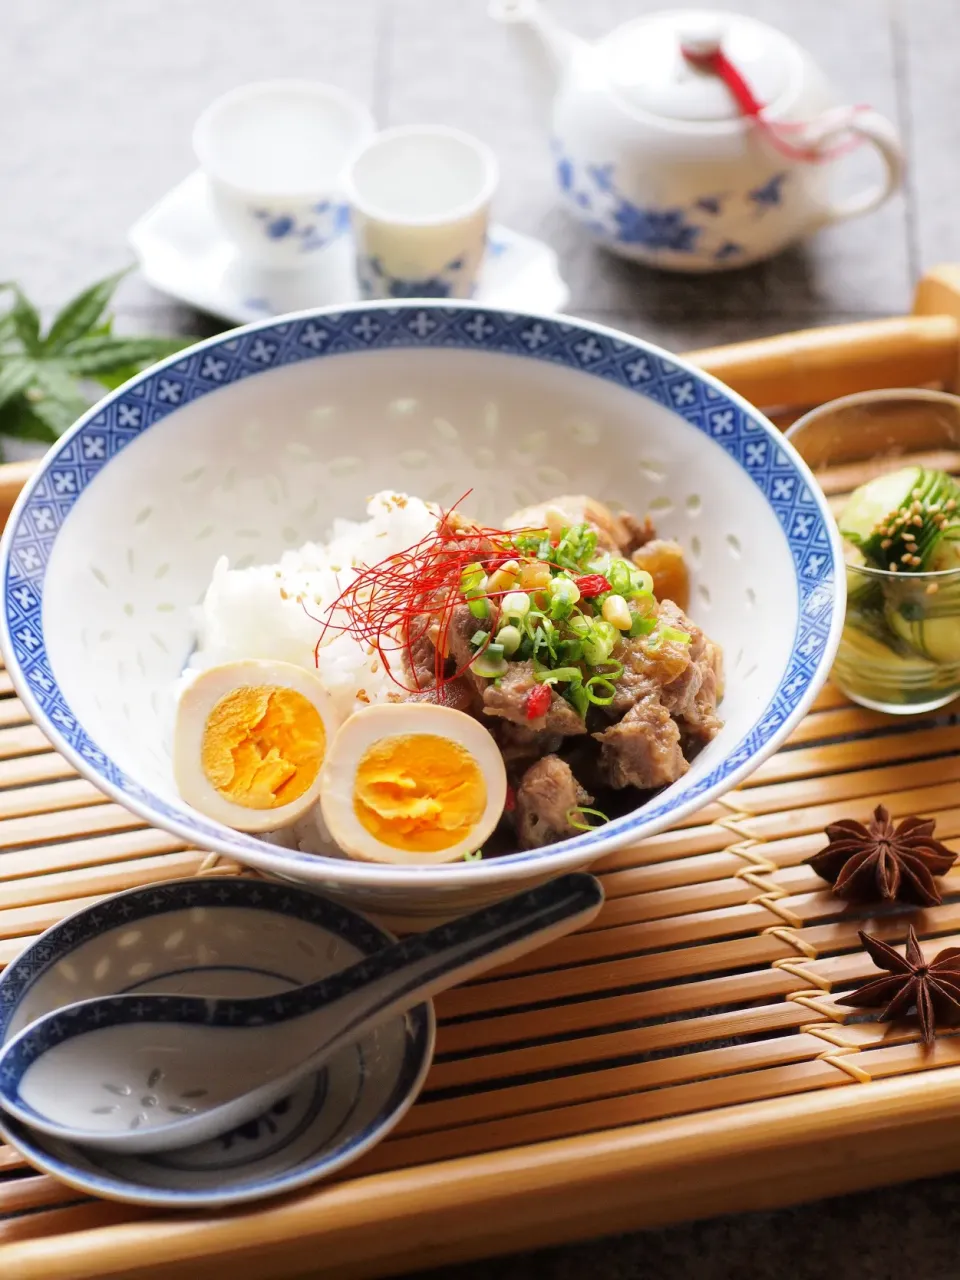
point(645, 67)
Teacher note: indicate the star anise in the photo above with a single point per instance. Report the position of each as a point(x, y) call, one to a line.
point(932, 989)
point(880, 861)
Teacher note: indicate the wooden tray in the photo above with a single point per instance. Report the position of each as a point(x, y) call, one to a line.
point(684, 1056)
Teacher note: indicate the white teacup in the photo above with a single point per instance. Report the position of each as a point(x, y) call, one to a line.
point(420, 201)
point(275, 154)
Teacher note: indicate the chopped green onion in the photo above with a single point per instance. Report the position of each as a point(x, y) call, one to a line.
point(515, 604)
point(576, 695)
point(545, 637)
point(473, 586)
point(600, 699)
point(641, 626)
point(550, 675)
point(579, 624)
point(575, 547)
point(564, 594)
point(585, 826)
point(509, 638)
point(473, 857)
point(569, 651)
point(598, 645)
point(641, 581)
point(677, 636)
point(479, 637)
point(489, 666)
point(619, 577)
point(528, 544)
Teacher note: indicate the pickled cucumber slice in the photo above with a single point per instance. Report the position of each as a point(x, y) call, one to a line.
point(933, 633)
point(873, 502)
point(872, 648)
point(898, 519)
point(944, 552)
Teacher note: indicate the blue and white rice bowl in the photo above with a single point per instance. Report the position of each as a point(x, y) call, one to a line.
point(220, 936)
point(251, 443)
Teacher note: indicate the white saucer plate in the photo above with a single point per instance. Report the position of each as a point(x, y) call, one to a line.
point(183, 252)
point(220, 936)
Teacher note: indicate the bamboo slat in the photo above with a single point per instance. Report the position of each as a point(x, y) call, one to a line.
point(685, 1055)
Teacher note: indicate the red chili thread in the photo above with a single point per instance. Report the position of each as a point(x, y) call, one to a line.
point(592, 584)
point(716, 60)
point(394, 604)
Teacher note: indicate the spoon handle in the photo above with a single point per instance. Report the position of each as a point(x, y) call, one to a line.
point(418, 968)
point(394, 980)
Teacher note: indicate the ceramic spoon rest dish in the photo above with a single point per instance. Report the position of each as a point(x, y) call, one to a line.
point(224, 937)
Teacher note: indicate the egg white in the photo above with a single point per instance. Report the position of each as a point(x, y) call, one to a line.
point(373, 724)
point(198, 700)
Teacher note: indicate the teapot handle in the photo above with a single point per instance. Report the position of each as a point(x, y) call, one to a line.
point(874, 128)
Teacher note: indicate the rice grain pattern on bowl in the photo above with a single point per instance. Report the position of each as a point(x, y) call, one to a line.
point(252, 444)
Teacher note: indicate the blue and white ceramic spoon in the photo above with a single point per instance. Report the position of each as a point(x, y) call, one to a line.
point(213, 1064)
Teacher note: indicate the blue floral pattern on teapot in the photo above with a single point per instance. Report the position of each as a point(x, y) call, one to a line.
point(688, 229)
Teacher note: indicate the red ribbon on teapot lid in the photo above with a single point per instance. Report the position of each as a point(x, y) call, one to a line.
point(705, 52)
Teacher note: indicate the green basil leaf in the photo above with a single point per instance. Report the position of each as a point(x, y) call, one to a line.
point(117, 378)
point(16, 374)
point(18, 419)
point(109, 353)
point(54, 398)
point(81, 314)
point(25, 319)
point(8, 330)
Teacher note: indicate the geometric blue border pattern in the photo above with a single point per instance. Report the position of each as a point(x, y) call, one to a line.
point(631, 363)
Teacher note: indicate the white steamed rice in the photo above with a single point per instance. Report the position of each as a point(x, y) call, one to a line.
point(256, 612)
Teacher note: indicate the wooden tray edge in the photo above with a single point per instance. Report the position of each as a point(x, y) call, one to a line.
point(757, 1156)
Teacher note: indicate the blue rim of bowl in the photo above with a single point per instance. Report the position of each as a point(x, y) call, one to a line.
point(213, 892)
point(700, 399)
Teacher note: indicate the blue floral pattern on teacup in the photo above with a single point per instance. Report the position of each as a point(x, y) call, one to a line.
point(376, 282)
point(691, 230)
point(326, 221)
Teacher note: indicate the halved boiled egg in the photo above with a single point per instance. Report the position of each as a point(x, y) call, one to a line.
point(250, 741)
point(412, 783)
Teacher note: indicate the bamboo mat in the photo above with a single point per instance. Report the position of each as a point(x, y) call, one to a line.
point(684, 1056)
point(705, 989)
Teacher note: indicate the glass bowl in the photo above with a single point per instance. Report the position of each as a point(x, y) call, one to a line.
point(900, 649)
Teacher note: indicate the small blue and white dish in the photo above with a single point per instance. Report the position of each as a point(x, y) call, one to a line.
point(220, 936)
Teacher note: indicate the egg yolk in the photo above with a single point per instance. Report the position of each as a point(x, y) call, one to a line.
point(263, 747)
point(419, 792)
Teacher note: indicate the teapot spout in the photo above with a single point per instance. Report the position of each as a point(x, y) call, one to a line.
point(560, 46)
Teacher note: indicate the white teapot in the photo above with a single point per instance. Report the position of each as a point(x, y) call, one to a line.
point(697, 140)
